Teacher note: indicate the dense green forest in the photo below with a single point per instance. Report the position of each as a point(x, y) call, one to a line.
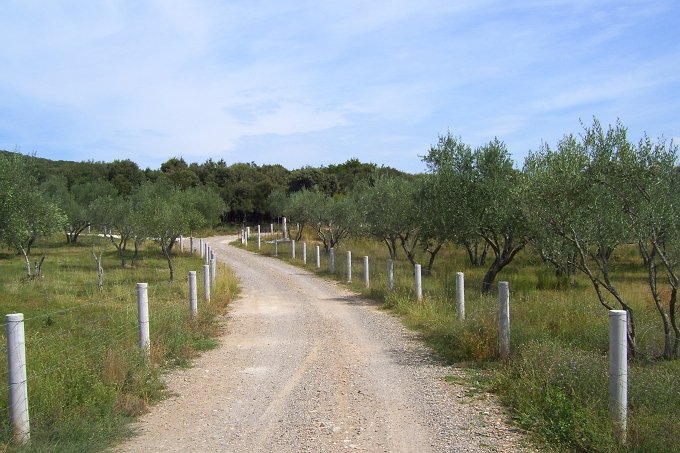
point(244, 187)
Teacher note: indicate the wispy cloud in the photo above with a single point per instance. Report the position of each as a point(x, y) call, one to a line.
point(312, 83)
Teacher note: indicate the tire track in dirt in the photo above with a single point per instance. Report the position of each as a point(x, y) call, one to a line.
point(305, 365)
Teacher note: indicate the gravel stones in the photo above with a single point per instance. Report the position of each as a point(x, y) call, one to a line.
point(306, 366)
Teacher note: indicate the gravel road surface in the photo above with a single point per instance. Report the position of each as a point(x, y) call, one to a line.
point(306, 366)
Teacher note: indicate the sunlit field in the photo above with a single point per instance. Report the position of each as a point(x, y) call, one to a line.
point(556, 380)
point(87, 376)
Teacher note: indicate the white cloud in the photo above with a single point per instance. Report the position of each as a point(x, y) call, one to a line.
point(380, 78)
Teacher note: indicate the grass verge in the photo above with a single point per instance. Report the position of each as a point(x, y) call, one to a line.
point(86, 375)
point(556, 381)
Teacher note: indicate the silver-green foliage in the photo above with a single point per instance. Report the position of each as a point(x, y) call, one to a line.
point(74, 201)
point(25, 212)
point(331, 218)
point(478, 195)
point(387, 209)
point(598, 192)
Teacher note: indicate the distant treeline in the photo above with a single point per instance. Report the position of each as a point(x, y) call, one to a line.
point(244, 187)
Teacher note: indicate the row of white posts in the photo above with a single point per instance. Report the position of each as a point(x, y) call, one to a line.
point(244, 233)
point(618, 360)
point(16, 347)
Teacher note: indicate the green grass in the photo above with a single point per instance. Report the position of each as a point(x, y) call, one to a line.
point(86, 376)
point(556, 380)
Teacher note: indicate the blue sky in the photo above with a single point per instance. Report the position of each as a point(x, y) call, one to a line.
point(318, 82)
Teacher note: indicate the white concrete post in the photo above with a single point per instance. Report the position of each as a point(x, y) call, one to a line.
point(367, 282)
point(318, 257)
point(304, 253)
point(259, 238)
point(460, 295)
point(191, 244)
point(618, 372)
point(181, 244)
point(193, 298)
point(206, 283)
point(271, 228)
point(390, 275)
point(419, 283)
point(200, 247)
point(331, 260)
point(208, 249)
point(16, 377)
point(247, 233)
point(276, 247)
point(245, 238)
point(348, 272)
point(143, 316)
point(213, 270)
point(292, 249)
point(504, 320)
point(284, 227)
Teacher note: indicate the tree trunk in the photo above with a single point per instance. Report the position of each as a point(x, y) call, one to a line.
point(472, 253)
point(491, 273)
point(674, 322)
point(391, 246)
point(632, 339)
point(166, 254)
point(135, 255)
point(26, 260)
point(120, 245)
point(668, 334)
point(78, 231)
point(322, 236)
point(29, 245)
point(644, 254)
point(409, 243)
point(433, 255)
point(121, 251)
point(630, 334)
point(601, 258)
point(38, 267)
point(298, 235)
point(485, 253)
point(476, 259)
point(503, 257)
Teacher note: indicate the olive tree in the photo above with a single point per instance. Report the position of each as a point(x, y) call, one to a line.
point(201, 207)
point(75, 201)
point(646, 183)
point(488, 192)
point(573, 200)
point(444, 209)
point(25, 212)
point(299, 206)
point(163, 218)
point(118, 217)
point(164, 215)
point(386, 207)
point(331, 218)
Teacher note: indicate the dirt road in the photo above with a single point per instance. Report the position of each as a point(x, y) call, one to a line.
point(304, 365)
